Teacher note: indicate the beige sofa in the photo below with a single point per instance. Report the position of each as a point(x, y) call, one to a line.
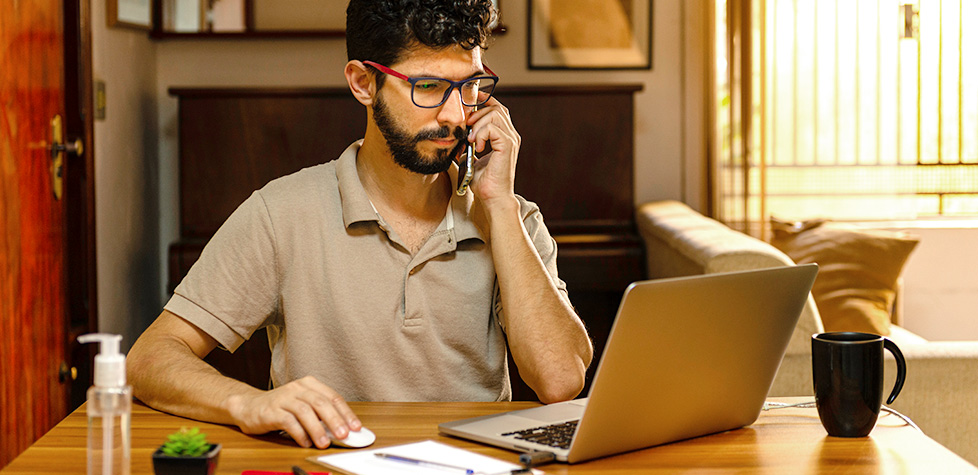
point(941, 391)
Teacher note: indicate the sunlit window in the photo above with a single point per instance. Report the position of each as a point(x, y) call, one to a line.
point(860, 110)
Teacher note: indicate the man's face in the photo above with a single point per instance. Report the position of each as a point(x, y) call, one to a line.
point(425, 140)
point(405, 146)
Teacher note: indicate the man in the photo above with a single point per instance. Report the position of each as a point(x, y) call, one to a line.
point(375, 280)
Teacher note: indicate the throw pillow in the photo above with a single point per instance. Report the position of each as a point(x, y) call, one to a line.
point(858, 270)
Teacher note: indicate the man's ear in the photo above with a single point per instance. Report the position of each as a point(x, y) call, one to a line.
point(361, 82)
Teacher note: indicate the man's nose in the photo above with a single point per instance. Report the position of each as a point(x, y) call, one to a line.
point(452, 112)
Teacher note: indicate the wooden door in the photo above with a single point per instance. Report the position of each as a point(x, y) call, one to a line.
point(32, 256)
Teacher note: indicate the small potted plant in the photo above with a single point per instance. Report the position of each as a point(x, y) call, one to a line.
point(186, 452)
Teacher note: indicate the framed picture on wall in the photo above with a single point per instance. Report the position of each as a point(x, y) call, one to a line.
point(590, 34)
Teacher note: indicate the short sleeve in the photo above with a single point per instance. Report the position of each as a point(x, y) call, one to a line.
point(233, 288)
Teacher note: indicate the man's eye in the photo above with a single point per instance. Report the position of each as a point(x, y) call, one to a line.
point(426, 86)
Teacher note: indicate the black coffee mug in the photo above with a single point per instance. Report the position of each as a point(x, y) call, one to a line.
point(847, 369)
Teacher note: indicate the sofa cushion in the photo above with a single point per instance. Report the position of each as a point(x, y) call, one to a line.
point(858, 270)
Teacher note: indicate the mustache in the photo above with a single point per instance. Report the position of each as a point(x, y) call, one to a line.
point(441, 133)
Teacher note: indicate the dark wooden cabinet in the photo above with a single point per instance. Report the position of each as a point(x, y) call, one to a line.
point(576, 163)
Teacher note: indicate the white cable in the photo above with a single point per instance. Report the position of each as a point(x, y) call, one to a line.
point(902, 417)
point(780, 405)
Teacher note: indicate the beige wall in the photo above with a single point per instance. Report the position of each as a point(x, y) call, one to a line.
point(940, 291)
point(126, 179)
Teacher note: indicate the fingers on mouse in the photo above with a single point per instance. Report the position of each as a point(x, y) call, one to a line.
point(355, 440)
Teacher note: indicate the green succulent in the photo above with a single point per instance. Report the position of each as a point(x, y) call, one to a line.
point(186, 443)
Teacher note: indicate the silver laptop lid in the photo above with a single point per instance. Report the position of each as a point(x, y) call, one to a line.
point(690, 356)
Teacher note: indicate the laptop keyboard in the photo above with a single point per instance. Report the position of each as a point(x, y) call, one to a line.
point(554, 435)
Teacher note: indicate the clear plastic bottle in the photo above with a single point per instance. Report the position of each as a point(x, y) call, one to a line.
point(109, 408)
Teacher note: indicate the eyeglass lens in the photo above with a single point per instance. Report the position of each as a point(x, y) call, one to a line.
point(433, 92)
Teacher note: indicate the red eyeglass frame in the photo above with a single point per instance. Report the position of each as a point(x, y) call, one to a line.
point(454, 84)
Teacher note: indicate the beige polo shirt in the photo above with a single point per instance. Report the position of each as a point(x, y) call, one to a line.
point(308, 257)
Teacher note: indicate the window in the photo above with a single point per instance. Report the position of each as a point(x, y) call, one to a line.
point(850, 110)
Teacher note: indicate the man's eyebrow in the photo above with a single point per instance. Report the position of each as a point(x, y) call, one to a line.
point(470, 76)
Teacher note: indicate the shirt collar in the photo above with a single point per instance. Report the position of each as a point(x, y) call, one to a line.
point(353, 198)
point(357, 207)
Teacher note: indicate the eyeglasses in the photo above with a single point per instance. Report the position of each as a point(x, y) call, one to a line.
point(429, 92)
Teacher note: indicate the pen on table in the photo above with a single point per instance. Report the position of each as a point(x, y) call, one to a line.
point(423, 463)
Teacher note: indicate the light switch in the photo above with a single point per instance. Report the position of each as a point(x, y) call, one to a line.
point(99, 99)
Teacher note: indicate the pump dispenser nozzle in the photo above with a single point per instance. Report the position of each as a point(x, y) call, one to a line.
point(110, 365)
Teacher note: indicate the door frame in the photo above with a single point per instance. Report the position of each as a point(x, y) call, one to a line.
point(81, 309)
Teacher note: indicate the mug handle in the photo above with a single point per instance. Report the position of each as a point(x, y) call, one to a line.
point(901, 369)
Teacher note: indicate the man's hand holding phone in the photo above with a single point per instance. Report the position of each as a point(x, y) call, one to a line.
point(494, 138)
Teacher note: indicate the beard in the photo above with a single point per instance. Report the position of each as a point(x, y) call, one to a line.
point(404, 146)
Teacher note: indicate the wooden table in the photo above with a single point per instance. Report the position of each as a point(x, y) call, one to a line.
point(781, 441)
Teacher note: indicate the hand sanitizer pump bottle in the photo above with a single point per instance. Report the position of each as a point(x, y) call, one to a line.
point(109, 407)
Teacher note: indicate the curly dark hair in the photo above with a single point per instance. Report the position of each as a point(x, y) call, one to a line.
point(383, 30)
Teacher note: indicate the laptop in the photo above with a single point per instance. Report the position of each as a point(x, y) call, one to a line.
point(686, 357)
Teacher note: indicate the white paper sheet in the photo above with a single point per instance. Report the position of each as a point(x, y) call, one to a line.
point(365, 462)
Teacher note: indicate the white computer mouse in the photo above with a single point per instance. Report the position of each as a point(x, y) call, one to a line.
point(354, 440)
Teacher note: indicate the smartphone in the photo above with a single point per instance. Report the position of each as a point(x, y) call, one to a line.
point(465, 172)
